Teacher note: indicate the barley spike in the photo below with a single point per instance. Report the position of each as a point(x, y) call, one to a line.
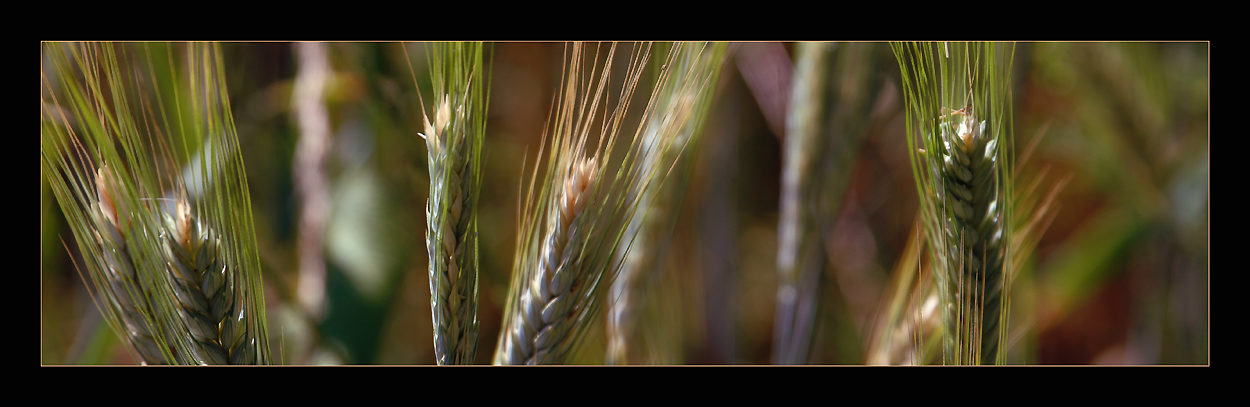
point(971, 193)
point(573, 226)
point(206, 292)
point(129, 291)
point(540, 337)
point(454, 142)
point(964, 179)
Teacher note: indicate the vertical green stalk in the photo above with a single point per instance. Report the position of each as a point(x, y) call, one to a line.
point(959, 134)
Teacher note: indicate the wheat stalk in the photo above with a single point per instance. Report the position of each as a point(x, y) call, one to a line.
point(800, 262)
point(962, 162)
point(832, 97)
point(312, 185)
point(686, 89)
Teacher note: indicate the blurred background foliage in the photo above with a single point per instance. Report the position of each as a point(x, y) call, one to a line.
point(1120, 277)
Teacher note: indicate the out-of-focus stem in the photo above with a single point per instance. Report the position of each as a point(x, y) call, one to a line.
point(800, 257)
point(312, 186)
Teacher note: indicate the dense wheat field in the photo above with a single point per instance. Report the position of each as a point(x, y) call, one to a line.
point(1119, 132)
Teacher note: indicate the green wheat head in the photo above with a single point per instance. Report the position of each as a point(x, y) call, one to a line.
point(454, 139)
point(959, 133)
point(575, 216)
point(139, 145)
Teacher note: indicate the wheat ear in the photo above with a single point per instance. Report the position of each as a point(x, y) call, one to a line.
point(130, 293)
point(573, 226)
point(452, 266)
point(974, 224)
point(206, 292)
point(81, 146)
point(152, 294)
point(454, 145)
point(552, 293)
point(962, 164)
point(907, 324)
